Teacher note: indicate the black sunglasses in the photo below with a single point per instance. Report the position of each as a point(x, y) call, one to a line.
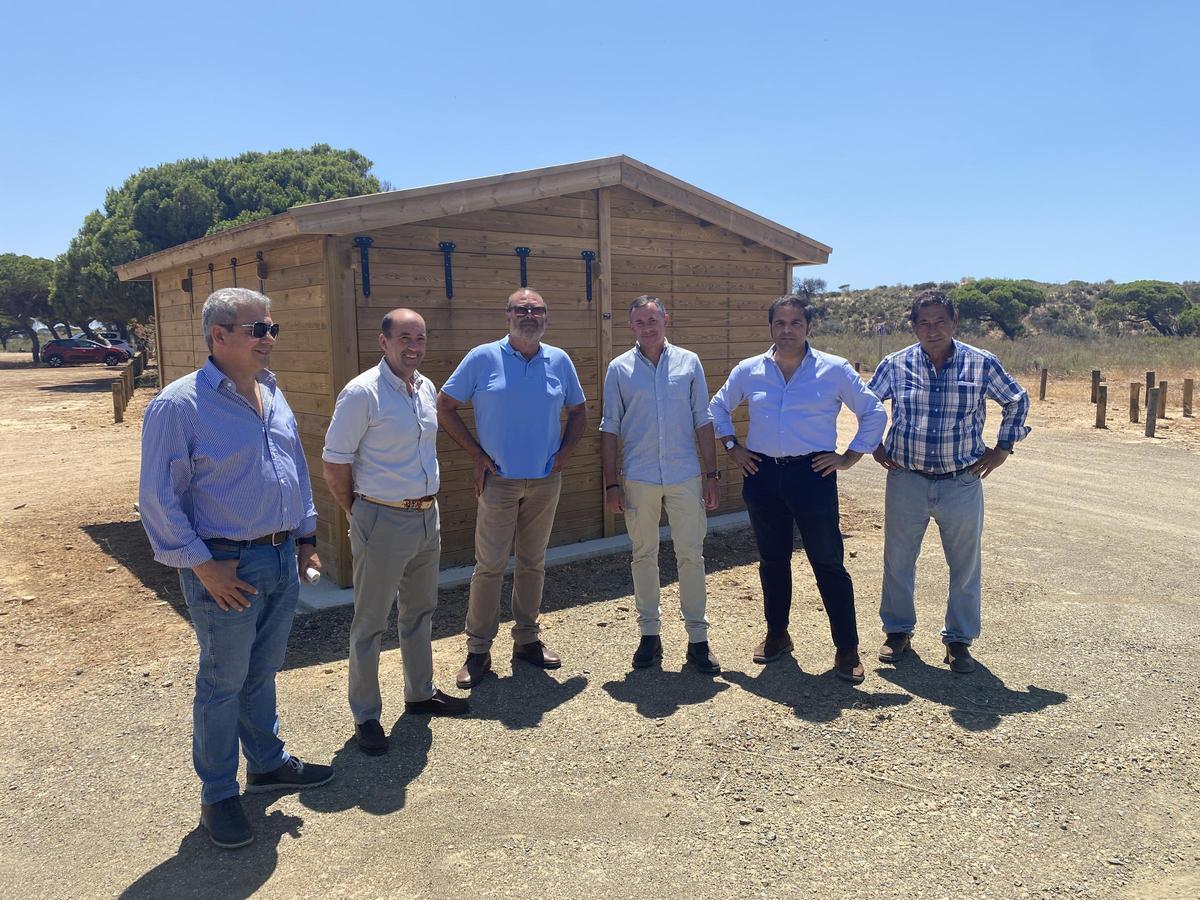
point(259, 329)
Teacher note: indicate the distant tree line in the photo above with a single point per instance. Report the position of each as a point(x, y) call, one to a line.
point(155, 209)
point(1015, 307)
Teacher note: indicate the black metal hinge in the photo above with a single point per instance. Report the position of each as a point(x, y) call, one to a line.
point(588, 257)
point(523, 252)
point(447, 248)
point(363, 243)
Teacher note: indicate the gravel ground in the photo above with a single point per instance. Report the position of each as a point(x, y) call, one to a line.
point(1066, 766)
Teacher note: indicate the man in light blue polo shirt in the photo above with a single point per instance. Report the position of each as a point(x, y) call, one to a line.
point(518, 387)
point(656, 402)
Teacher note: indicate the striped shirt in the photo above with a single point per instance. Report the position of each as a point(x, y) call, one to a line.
point(212, 468)
point(655, 410)
point(938, 416)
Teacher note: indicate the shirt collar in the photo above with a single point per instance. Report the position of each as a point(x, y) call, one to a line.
point(949, 359)
point(808, 351)
point(395, 380)
point(507, 347)
point(215, 377)
point(637, 349)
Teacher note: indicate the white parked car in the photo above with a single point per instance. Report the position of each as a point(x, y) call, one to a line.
point(114, 339)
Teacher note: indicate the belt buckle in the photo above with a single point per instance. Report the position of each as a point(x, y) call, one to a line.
point(276, 534)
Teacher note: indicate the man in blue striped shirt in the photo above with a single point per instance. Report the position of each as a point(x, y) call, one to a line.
point(936, 460)
point(225, 498)
point(790, 462)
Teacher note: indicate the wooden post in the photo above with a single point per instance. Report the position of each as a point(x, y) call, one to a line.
point(1187, 397)
point(1095, 384)
point(118, 395)
point(1042, 388)
point(1162, 399)
point(1151, 404)
point(1102, 406)
point(128, 373)
point(1135, 391)
point(604, 319)
point(1151, 381)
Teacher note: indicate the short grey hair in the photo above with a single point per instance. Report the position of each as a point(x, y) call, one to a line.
point(646, 300)
point(223, 307)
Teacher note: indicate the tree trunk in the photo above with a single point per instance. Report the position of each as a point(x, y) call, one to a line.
point(33, 337)
point(1162, 329)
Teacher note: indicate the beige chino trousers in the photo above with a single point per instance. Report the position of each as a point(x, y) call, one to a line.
point(515, 515)
point(396, 557)
point(684, 503)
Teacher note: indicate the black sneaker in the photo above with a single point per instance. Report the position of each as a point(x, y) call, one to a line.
point(958, 657)
point(292, 775)
point(648, 652)
point(702, 658)
point(226, 823)
point(370, 737)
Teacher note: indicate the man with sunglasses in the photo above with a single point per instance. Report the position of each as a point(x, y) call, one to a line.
point(518, 388)
point(225, 498)
point(380, 463)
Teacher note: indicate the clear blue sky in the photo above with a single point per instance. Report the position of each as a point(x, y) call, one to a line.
point(1048, 140)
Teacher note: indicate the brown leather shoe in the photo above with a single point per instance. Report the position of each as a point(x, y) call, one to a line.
point(895, 647)
point(440, 704)
point(958, 656)
point(772, 647)
point(473, 670)
point(847, 665)
point(538, 654)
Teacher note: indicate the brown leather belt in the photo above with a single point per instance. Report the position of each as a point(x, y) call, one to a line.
point(419, 503)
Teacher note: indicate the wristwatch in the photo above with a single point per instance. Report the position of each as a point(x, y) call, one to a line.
point(715, 474)
point(1004, 445)
point(730, 443)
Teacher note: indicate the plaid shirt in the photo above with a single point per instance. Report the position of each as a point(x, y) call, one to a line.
point(938, 416)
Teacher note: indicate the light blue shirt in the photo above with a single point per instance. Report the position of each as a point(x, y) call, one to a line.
point(798, 417)
point(656, 410)
point(212, 468)
point(518, 404)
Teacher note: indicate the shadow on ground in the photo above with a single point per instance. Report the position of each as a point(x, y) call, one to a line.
point(375, 784)
point(977, 701)
point(101, 384)
point(657, 693)
point(814, 698)
point(201, 869)
point(126, 544)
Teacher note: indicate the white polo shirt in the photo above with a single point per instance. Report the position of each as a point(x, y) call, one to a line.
point(387, 435)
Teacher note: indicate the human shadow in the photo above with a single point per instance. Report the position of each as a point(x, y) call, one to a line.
point(97, 385)
point(376, 784)
point(656, 693)
point(977, 701)
point(201, 869)
point(127, 545)
point(814, 698)
point(522, 699)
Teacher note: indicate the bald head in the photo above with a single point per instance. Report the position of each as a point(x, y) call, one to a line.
point(396, 316)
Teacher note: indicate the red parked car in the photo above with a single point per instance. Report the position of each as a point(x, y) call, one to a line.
point(81, 350)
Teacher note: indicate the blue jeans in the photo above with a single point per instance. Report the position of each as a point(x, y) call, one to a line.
point(240, 652)
point(777, 496)
point(956, 504)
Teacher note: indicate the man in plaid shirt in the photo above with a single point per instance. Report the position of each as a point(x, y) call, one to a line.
point(936, 460)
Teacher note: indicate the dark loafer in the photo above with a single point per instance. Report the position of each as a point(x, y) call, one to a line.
point(537, 654)
point(958, 656)
point(702, 658)
point(649, 651)
point(772, 647)
point(895, 647)
point(473, 670)
point(226, 823)
point(440, 704)
point(847, 665)
point(293, 775)
point(370, 737)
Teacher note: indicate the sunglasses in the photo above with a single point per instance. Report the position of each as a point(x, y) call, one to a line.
point(535, 311)
point(258, 329)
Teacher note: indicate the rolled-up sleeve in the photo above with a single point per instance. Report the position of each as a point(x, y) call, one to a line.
point(351, 416)
point(614, 403)
point(1013, 399)
point(872, 418)
point(700, 414)
point(309, 524)
point(725, 401)
point(163, 486)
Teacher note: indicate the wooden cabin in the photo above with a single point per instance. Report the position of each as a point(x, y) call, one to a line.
point(594, 235)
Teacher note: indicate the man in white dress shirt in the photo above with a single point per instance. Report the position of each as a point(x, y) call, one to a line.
point(380, 463)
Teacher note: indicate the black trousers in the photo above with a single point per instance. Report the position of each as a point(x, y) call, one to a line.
point(783, 493)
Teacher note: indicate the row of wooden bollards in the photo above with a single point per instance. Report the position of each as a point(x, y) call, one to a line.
point(124, 383)
point(1156, 399)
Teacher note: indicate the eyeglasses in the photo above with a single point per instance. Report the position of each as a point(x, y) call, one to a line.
point(536, 311)
point(259, 329)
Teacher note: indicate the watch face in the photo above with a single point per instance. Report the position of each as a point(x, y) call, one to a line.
point(729, 445)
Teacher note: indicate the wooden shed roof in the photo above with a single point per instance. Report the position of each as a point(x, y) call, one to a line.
point(353, 215)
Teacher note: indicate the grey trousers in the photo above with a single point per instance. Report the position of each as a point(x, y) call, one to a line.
point(396, 556)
